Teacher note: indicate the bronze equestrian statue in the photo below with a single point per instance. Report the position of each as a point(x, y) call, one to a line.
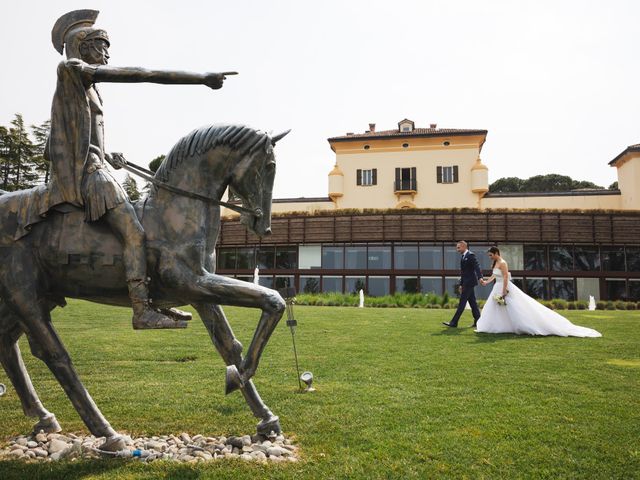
point(79, 236)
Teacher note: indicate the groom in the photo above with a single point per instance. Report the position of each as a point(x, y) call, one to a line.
point(470, 273)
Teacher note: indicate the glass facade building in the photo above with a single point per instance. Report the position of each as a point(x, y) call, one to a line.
point(571, 272)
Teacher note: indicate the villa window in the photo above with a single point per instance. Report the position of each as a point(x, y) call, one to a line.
point(406, 179)
point(447, 174)
point(367, 177)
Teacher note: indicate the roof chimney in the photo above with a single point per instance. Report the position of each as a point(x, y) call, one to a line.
point(372, 127)
point(433, 125)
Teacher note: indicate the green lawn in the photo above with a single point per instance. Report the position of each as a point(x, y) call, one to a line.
point(399, 396)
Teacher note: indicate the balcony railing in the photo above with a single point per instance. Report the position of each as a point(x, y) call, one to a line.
point(405, 185)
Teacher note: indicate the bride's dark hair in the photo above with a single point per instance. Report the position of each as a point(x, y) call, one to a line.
point(495, 251)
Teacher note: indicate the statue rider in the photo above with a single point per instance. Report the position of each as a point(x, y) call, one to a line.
point(77, 153)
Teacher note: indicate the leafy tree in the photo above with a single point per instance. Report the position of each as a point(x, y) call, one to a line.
point(614, 186)
point(5, 148)
point(541, 183)
point(506, 184)
point(155, 163)
point(131, 187)
point(16, 157)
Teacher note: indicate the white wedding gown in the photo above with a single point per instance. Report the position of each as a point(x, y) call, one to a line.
point(523, 315)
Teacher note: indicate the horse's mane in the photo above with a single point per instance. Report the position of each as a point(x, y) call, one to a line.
point(205, 138)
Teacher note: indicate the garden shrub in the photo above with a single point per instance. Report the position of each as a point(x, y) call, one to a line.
point(559, 304)
point(600, 305)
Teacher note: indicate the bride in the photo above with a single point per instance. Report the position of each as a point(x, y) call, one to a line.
point(510, 310)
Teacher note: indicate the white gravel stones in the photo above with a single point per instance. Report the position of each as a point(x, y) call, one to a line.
point(56, 445)
point(181, 448)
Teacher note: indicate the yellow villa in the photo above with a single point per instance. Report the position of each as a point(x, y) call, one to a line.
point(398, 200)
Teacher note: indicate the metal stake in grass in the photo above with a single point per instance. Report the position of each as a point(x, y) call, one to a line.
point(289, 295)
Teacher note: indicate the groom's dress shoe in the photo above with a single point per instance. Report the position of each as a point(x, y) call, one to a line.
point(449, 325)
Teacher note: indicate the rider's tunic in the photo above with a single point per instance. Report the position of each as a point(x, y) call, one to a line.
point(76, 145)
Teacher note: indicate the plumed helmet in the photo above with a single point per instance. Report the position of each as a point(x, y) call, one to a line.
point(73, 28)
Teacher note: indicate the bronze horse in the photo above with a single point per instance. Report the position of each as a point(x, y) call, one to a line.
point(67, 257)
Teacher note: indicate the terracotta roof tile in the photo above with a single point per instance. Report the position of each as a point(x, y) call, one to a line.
point(417, 132)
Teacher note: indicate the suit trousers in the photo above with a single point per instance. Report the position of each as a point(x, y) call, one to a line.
point(468, 295)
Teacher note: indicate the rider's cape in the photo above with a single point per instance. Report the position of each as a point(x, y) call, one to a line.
point(67, 150)
point(70, 135)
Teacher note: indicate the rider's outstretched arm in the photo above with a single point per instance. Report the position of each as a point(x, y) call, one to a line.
point(107, 73)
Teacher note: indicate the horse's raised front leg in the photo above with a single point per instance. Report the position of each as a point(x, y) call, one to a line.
point(230, 350)
point(13, 365)
point(217, 289)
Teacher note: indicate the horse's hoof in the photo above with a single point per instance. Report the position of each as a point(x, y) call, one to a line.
point(272, 424)
point(233, 380)
point(48, 424)
point(114, 443)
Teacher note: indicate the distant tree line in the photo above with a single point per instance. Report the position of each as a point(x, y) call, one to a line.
point(22, 163)
point(551, 182)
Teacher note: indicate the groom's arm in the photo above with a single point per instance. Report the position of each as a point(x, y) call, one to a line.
point(476, 267)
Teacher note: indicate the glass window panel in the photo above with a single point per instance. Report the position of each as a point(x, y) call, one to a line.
point(405, 257)
point(431, 257)
point(310, 284)
point(538, 288)
point(561, 258)
point(535, 257)
point(588, 287)
point(332, 257)
point(634, 290)
point(227, 258)
point(563, 288)
point(431, 285)
point(616, 289)
point(612, 259)
point(633, 259)
point(246, 258)
point(355, 284)
point(266, 281)
point(310, 256)
point(518, 282)
point(332, 284)
point(450, 284)
point(266, 257)
point(355, 257)
point(379, 257)
point(587, 258)
point(284, 281)
point(484, 292)
point(481, 254)
point(407, 285)
point(378, 286)
point(287, 257)
point(513, 254)
point(451, 258)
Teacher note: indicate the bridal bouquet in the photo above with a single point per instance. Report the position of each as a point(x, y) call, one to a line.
point(500, 299)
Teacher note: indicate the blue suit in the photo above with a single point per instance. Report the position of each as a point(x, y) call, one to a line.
point(470, 273)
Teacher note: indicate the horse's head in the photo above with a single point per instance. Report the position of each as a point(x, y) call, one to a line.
point(252, 183)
